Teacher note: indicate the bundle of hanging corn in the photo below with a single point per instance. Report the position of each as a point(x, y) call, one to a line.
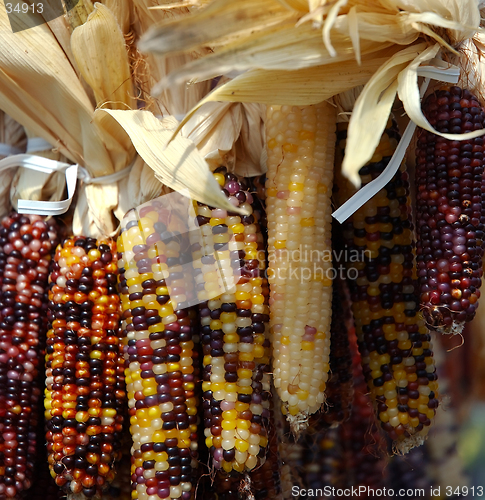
point(80, 101)
point(375, 44)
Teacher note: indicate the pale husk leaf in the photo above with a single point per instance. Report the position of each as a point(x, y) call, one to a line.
point(13, 134)
point(250, 145)
point(371, 112)
point(149, 69)
point(295, 88)
point(285, 47)
point(122, 10)
point(106, 71)
point(220, 18)
point(77, 11)
point(228, 134)
point(39, 88)
point(408, 91)
point(177, 164)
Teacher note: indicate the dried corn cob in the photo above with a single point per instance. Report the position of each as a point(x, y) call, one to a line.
point(300, 146)
point(26, 244)
point(394, 343)
point(290, 452)
point(450, 212)
point(236, 351)
point(85, 394)
point(339, 390)
point(323, 461)
point(363, 447)
point(161, 359)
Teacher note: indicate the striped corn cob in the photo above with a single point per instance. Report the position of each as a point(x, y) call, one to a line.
point(26, 244)
point(236, 383)
point(160, 334)
point(393, 340)
point(450, 211)
point(84, 396)
point(300, 145)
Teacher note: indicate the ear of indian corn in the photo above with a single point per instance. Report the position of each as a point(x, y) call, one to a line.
point(363, 447)
point(300, 144)
point(394, 342)
point(450, 210)
point(323, 460)
point(236, 384)
point(85, 395)
point(26, 244)
point(160, 333)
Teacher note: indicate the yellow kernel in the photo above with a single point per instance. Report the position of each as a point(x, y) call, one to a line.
point(220, 179)
point(278, 244)
point(229, 414)
point(242, 295)
point(228, 424)
point(306, 135)
point(82, 416)
point(271, 191)
point(237, 228)
point(307, 345)
point(244, 373)
point(296, 186)
point(215, 221)
point(290, 148)
point(307, 222)
point(241, 445)
point(215, 324)
point(243, 424)
point(271, 145)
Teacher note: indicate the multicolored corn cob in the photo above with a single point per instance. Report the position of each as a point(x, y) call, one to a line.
point(162, 371)
point(26, 245)
point(300, 145)
point(323, 460)
point(394, 342)
point(363, 446)
point(85, 393)
point(234, 323)
point(450, 210)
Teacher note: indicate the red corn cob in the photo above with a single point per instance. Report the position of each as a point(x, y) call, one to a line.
point(450, 191)
point(26, 243)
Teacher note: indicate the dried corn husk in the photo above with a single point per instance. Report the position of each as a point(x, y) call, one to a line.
point(13, 134)
point(220, 131)
point(319, 37)
point(42, 89)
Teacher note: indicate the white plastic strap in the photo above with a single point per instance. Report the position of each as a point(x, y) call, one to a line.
point(8, 149)
point(37, 144)
point(438, 71)
point(47, 166)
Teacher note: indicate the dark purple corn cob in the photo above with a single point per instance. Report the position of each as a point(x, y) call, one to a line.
point(450, 191)
point(26, 244)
